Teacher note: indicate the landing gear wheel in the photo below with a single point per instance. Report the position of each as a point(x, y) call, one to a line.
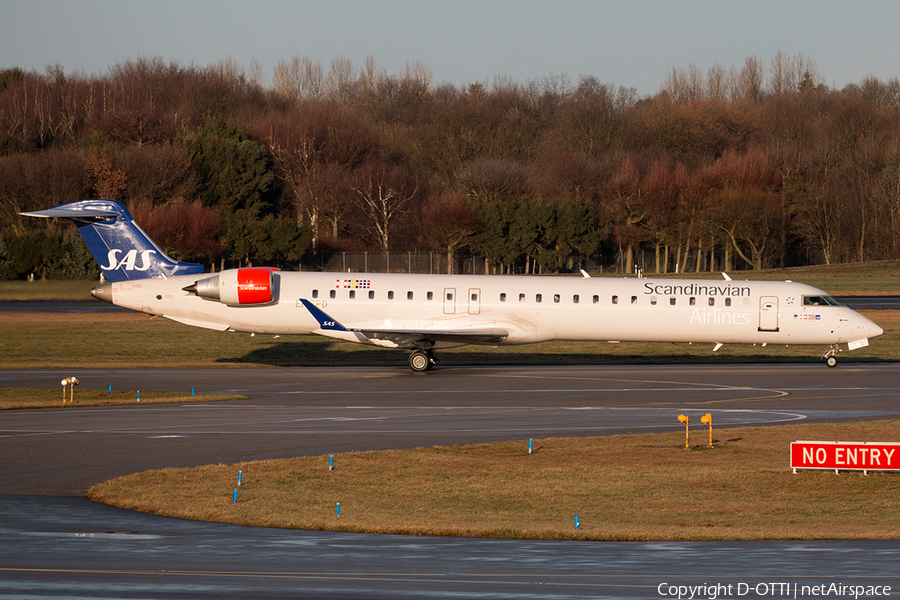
point(830, 355)
point(421, 361)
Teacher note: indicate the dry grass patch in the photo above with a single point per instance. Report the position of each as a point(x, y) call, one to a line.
point(644, 487)
point(30, 398)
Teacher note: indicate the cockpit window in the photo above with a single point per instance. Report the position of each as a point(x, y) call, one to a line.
point(820, 301)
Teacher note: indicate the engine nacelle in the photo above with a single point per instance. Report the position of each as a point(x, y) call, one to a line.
point(238, 287)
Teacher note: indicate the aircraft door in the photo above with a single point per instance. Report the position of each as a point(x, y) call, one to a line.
point(768, 313)
point(449, 301)
point(474, 301)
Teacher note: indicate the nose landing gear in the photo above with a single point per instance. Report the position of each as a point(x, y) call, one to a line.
point(830, 356)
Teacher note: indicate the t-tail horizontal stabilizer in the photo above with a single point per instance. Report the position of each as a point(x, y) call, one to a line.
point(121, 248)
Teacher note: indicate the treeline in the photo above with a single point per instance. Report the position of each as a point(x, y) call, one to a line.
point(747, 167)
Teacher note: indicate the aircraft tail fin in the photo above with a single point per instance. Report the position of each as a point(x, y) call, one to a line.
point(121, 248)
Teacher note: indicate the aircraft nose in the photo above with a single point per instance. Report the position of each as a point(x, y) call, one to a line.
point(871, 328)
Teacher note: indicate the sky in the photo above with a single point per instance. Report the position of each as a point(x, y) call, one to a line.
point(628, 43)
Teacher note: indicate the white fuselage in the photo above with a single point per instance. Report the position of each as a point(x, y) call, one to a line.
point(529, 309)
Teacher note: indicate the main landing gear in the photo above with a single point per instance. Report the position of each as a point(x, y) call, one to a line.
point(830, 356)
point(422, 360)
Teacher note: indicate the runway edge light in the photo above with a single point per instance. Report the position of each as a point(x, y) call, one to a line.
point(71, 382)
point(707, 420)
point(687, 434)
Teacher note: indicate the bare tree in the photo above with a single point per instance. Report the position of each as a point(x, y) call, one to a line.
point(340, 84)
point(298, 79)
point(383, 193)
point(749, 82)
point(717, 82)
point(696, 83)
point(782, 77)
point(256, 73)
point(676, 85)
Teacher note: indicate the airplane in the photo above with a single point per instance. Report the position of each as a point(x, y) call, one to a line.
point(423, 313)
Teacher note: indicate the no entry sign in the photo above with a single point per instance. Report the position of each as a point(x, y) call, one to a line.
point(846, 456)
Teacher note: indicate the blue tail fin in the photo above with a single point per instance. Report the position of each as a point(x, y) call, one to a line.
point(121, 248)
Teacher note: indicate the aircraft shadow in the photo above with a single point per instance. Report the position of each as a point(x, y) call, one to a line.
point(328, 353)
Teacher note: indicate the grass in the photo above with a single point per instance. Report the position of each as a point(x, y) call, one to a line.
point(29, 398)
point(46, 290)
point(56, 340)
point(641, 487)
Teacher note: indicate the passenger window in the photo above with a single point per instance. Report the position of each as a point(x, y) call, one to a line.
point(693, 301)
point(537, 297)
point(712, 301)
point(575, 299)
point(371, 294)
point(727, 301)
point(332, 294)
point(503, 297)
point(409, 295)
point(430, 295)
point(652, 300)
point(315, 293)
point(615, 299)
point(521, 297)
point(390, 295)
point(634, 299)
point(672, 301)
point(556, 298)
point(352, 294)
point(596, 299)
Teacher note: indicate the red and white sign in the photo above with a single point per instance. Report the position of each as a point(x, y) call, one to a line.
point(846, 456)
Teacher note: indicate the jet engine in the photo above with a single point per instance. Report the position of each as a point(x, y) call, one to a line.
point(238, 287)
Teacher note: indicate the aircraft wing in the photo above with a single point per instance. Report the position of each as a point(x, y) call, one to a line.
point(408, 338)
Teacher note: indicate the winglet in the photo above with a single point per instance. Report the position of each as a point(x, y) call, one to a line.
point(325, 321)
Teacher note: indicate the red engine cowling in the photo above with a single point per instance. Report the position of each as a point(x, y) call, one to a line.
point(238, 287)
